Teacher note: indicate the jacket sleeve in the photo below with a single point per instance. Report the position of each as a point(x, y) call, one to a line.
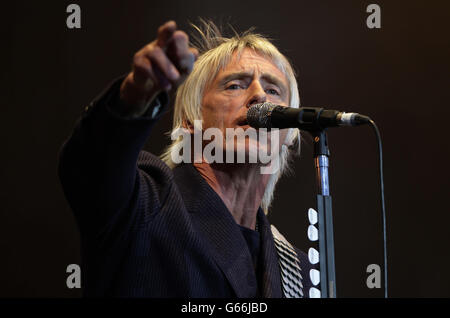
point(98, 162)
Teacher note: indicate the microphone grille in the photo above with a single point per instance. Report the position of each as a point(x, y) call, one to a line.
point(258, 115)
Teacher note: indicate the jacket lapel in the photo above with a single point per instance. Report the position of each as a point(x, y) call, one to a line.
point(270, 269)
point(217, 228)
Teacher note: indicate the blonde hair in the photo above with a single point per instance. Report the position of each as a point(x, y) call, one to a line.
point(215, 52)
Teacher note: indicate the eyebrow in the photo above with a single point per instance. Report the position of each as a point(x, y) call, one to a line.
point(265, 76)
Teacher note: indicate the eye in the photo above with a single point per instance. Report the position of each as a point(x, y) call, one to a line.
point(272, 91)
point(233, 86)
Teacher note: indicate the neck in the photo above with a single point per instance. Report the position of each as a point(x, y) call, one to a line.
point(240, 186)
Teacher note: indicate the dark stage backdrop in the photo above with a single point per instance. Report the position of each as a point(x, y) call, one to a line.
point(398, 75)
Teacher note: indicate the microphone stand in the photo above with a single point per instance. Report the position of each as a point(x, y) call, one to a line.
point(325, 216)
point(314, 120)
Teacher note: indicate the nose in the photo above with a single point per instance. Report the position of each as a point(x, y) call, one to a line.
point(257, 94)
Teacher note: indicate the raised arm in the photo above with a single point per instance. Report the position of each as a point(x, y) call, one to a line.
point(98, 163)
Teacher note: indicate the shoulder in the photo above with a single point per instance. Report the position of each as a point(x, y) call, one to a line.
point(155, 177)
point(149, 163)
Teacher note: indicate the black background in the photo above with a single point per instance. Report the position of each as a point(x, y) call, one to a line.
point(398, 75)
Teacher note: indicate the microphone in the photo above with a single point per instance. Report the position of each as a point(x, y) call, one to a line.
point(268, 115)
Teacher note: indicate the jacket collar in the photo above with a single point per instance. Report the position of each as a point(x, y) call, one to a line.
point(224, 239)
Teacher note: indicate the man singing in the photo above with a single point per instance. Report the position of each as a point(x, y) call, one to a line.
point(155, 227)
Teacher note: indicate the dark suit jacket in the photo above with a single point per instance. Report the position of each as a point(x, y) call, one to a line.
point(148, 231)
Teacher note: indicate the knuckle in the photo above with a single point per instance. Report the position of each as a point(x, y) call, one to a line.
point(137, 53)
point(161, 28)
point(181, 35)
point(139, 66)
point(155, 52)
point(148, 48)
point(136, 58)
point(141, 63)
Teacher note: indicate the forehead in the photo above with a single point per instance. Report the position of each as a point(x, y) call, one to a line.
point(252, 62)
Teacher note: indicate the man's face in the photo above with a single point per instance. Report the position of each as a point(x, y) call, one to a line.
point(250, 80)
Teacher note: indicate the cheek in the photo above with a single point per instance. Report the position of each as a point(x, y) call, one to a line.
point(212, 117)
point(218, 113)
point(209, 111)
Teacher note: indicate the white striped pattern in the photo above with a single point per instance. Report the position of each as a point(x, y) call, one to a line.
point(291, 278)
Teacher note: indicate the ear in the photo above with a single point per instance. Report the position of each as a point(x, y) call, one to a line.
point(188, 125)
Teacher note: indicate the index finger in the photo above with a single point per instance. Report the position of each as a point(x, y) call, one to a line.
point(165, 32)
